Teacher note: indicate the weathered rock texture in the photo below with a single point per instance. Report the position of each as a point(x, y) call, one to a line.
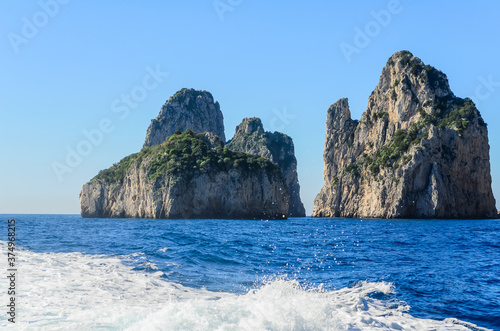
point(187, 177)
point(251, 138)
point(186, 109)
point(417, 152)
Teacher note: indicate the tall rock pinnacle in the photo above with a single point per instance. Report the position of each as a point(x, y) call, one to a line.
point(417, 152)
point(186, 109)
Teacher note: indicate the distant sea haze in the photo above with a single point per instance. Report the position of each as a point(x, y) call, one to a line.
point(295, 274)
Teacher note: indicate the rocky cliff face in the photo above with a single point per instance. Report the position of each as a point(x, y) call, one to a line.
point(188, 176)
point(417, 152)
point(251, 138)
point(186, 109)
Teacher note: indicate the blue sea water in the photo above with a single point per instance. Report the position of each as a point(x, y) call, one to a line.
point(296, 274)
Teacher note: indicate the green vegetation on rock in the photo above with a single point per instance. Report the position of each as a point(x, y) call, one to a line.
point(393, 153)
point(117, 172)
point(185, 154)
point(353, 169)
point(257, 141)
point(253, 141)
point(462, 113)
point(379, 115)
point(418, 68)
point(449, 112)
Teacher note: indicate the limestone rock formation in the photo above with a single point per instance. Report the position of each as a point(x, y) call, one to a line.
point(251, 138)
point(417, 152)
point(186, 109)
point(188, 176)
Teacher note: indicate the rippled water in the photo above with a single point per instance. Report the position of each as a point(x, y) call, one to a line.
point(300, 274)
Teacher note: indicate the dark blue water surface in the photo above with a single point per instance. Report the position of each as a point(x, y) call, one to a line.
point(441, 268)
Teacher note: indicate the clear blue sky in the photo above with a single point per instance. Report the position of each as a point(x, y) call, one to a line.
point(65, 68)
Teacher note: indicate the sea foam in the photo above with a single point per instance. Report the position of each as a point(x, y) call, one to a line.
point(64, 291)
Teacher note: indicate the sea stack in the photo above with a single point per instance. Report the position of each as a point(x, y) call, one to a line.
point(277, 147)
point(417, 152)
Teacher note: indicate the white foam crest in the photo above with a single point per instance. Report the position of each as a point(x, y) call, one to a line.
point(286, 305)
point(74, 290)
point(64, 291)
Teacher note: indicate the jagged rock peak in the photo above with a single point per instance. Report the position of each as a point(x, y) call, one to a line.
point(404, 65)
point(186, 109)
point(417, 152)
point(340, 111)
point(249, 126)
point(250, 137)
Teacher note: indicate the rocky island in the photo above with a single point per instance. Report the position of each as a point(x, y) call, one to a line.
point(417, 152)
point(185, 170)
point(187, 176)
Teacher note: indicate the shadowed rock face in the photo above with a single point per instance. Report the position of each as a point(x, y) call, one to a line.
point(277, 147)
point(186, 109)
point(188, 176)
point(417, 152)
